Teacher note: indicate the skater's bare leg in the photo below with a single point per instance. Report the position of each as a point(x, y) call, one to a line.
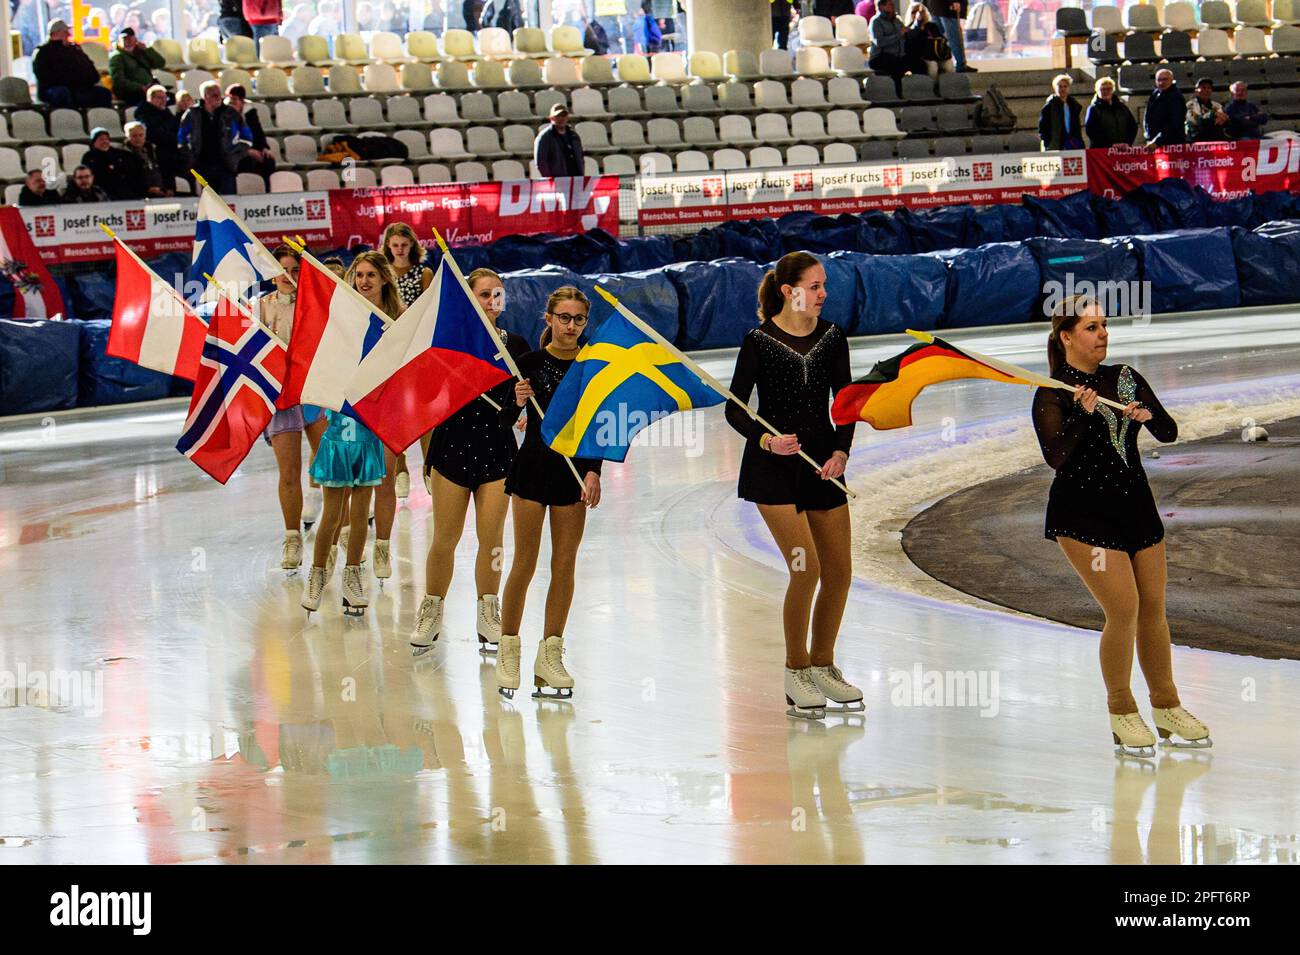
point(346, 517)
point(567, 524)
point(1153, 651)
point(315, 431)
point(386, 498)
point(331, 518)
point(425, 439)
point(490, 507)
point(287, 446)
point(360, 507)
point(833, 539)
point(450, 503)
point(529, 517)
point(794, 538)
point(1108, 575)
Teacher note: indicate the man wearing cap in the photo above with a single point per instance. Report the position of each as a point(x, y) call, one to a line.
point(65, 75)
point(557, 150)
point(117, 171)
point(258, 158)
point(131, 66)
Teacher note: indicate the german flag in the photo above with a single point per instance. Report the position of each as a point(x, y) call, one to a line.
point(883, 397)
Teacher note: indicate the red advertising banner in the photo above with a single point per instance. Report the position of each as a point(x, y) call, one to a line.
point(1224, 170)
point(463, 212)
point(479, 212)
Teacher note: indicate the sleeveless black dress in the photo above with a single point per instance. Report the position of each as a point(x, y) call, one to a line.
point(477, 444)
point(796, 377)
point(538, 473)
point(1100, 495)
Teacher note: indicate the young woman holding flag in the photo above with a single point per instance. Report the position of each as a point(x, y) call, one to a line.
point(1101, 512)
point(469, 456)
point(797, 361)
point(542, 480)
point(352, 459)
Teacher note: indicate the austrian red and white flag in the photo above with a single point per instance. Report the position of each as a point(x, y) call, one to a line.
point(240, 375)
point(34, 293)
point(437, 357)
point(333, 329)
point(152, 325)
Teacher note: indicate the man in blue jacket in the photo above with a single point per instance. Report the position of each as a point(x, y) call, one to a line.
point(1244, 117)
point(1164, 123)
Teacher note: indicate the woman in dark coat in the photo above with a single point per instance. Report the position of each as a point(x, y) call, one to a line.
point(1059, 121)
point(162, 127)
point(1108, 121)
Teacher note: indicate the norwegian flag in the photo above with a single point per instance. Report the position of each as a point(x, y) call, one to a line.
point(240, 375)
point(152, 325)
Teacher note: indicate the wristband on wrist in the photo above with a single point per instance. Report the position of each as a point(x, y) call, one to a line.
point(763, 439)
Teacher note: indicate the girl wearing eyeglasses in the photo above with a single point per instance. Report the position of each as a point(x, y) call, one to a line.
point(540, 480)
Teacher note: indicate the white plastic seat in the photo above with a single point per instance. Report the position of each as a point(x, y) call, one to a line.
point(775, 64)
point(843, 91)
point(250, 184)
point(655, 163)
point(70, 156)
point(405, 112)
point(843, 124)
point(300, 150)
point(808, 127)
point(526, 74)
point(669, 68)
point(619, 164)
point(663, 132)
point(459, 45)
point(771, 128)
point(367, 113)
point(484, 142)
point(1181, 15)
point(515, 104)
point(634, 68)
point(517, 139)
point(849, 61)
point(381, 78)
point(386, 47)
point(741, 65)
point(594, 136)
point(880, 123)
point(1250, 41)
point(530, 42)
point(417, 145)
point(28, 126)
point(46, 159)
point(700, 131)
point(277, 51)
point(765, 157)
point(770, 95)
point(698, 98)
point(802, 155)
point(561, 71)
point(314, 51)
point(394, 176)
point(11, 165)
point(172, 52)
point(285, 180)
point(587, 103)
point(662, 101)
point(489, 75)
point(736, 130)
point(812, 61)
point(627, 134)
point(808, 94)
point(598, 71)
point(344, 80)
point(271, 82)
point(543, 100)
point(494, 42)
point(431, 173)
point(236, 75)
point(471, 171)
point(1286, 40)
point(1253, 13)
point(839, 154)
point(816, 31)
point(852, 30)
point(692, 160)
point(1107, 19)
point(192, 80)
point(1212, 43)
point(330, 114)
point(729, 159)
point(735, 98)
point(204, 53)
point(417, 77)
point(322, 180)
point(241, 51)
point(447, 144)
point(1287, 12)
point(291, 115)
point(478, 108)
point(422, 45)
point(452, 75)
point(440, 110)
point(68, 124)
point(509, 170)
point(625, 101)
point(567, 41)
point(360, 177)
point(706, 66)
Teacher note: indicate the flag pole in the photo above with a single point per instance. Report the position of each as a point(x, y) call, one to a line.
point(492, 330)
point(705, 377)
point(348, 289)
point(244, 310)
point(234, 217)
point(1015, 371)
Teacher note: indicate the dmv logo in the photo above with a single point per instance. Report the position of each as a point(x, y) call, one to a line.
point(1072, 166)
point(135, 220)
point(315, 210)
point(45, 227)
point(983, 172)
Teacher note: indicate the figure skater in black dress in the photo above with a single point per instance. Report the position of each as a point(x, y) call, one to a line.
point(798, 361)
point(469, 456)
point(1102, 514)
point(540, 481)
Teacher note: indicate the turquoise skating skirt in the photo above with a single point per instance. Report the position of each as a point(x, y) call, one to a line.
point(349, 454)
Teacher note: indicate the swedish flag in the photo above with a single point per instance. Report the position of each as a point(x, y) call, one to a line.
point(621, 381)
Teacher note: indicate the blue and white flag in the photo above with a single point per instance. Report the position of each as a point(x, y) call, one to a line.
point(226, 250)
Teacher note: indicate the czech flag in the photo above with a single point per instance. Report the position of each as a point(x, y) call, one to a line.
point(621, 381)
point(434, 360)
point(333, 329)
point(883, 397)
point(240, 374)
point(152, 325)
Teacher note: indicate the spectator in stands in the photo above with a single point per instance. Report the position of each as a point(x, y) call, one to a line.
point(65, 75)
point(162, 129)
point(950, 13)
point(781, 22)
point(866, 9)
point(364, 16)
point(231, 20)
point(131, 66)
point(649, 37)
point(594, 37)
point(1108, 121)
point(264, 17)
point(1166, 113)
point(328, 21)
point(184, 100)
point(258, 158)
point(116, 21)
point(1059, 121)
point(888, 55)
point(146, 156)
point(924, 43)
point(473, 13)
point(1244, 117)
point(558, 149)
point(35, 192)
point(117, 170)
point(216, 137)
point(81, 188)
point(26, 23)
point(1206, 120)
point(298, 24)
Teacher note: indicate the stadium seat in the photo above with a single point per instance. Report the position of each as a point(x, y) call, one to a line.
point(172, 52)
point(597, 71)
point(28, 126)
point(422, 45)
point(305, 82)
point(381, 78)
point(1252, 13)
point(1177, 45)
point(812, 61)
point(1286, 40)
point(350, 48)
point(240, 51)
point(360, 177)
point(1181, 15)
point(567, 41)
point(627, 134)
point(880, 123)
point(417, 78)
point(698, 98)
point(330, 114)
point(561, 71)
point(776, 64)
point(849, 61)
point(1217, 14)
point(808, 94)
point(250, 184)
point(765, 157)
point(729, 158)
point(700, 131)
point(1103, 50)
point(452, 75)
point(531, 42)
point(344, 81)
point(1144, 18)
point(735, 98)
point(314, 51)
point(634, 68)
point(664, 132)
point(205, 53)
point(654, 163)
point(447, 144)
point(692, 160)
point(518, 140)
point(1250, 41)
point(618, 164)
point(386, 47)
point(808, 127)
point(440, 110)
point(873, 151)
point(880, 89)
point(844, 91)
point(843, 124)
point(625, 101)
point(955, 118)
point(802, 155)
point(917, 119)
point(106, 117)
point(494, 43)
point(1287, 12)
point(285, 180)
point(14, 92)
point(1072, 21)
point(919, 89)
point(292, 116)
point(741, 65)
point(508, 170)
point(526, 74)
point(1213, 43)
point(736, 129)
point(277, 51)
point(459, 45)
point(950, 146)
point(914, 149)
point(192, 80)
point(1107, 19)
point(1140, 48)
point(489, 75)
point(431, 173)
point(706, 67)
point(484, 142)
point(839, 154)
point(956, 86)
point(662, 101)
point(543, 100)
point(416, 143)
point(772, 128)
point(234, 74)
point(367, 113)
point(669, 68)
point(852, 30)
point(271, 82)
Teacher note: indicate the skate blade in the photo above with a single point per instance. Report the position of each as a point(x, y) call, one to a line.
point(419, 651)
point(844, 709)
point(290, 572)
point(1172, 742)
point(507, 692)
point(1135, 752)
point(352, 611)
point(811, 713)
point(556, 693)
point(487, 648)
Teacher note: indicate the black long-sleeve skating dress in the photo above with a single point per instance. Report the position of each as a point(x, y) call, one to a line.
point(477, 445)
point(796, 377)
point(538, 473)
point(1100, 495)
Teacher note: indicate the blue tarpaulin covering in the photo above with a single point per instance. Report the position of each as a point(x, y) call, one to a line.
point(717, 301)
point(38, 365)
point(900, 292)
point(843, 289)
point(1070, 217)
point(526, 294)
point(112, 381)
point(1268, 263)
point(994, 284)
point(1070, 266)
point(1188, 270)
point(650, 295)
point(931, 230)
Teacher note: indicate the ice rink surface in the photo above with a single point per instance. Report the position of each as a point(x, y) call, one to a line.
point(179, 707)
